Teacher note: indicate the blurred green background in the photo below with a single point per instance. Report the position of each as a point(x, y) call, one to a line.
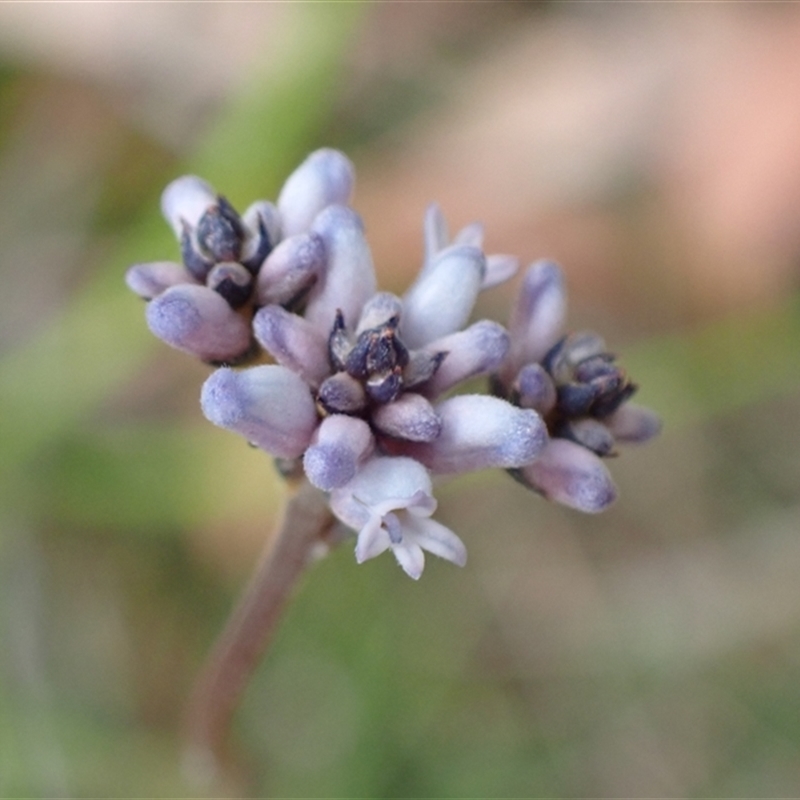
point(652, 651)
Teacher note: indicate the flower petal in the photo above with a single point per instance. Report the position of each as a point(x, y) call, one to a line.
point(435, 538)
point(572, 475)
point(349, 280)
point(435, 234)
point(479, 432)
point(471, 234)
point(633, 423)
point(410, 557)
point(269, 405)
point(340, 444)
point(441, 300)
point(292, 342)
point(325, 178)
point(372, 541)
point(499, 269)
point(410, 417)
point(151, 279)
point(476, 350)
point(197, 320)
point(186, 199)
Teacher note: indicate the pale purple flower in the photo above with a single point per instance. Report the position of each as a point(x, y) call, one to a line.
point(577, 387)
point(389, 503)
point(267, 255)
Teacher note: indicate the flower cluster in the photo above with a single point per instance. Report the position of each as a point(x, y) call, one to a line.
point(577, 387)
point(357, 389)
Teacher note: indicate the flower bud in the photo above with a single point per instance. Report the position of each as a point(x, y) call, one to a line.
point(325, 178)
point(340, 444)
point(572, 475)
point(151, 279)
point(441, 299)
point(269, 405)
point(199, 321)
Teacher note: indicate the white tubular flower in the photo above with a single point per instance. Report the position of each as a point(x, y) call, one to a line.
point(389, 503)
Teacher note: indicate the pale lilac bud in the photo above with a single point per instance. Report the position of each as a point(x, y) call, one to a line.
point(537, 318)
point(349, 280)
point(571, 475)
point(476, 350)
point(325, 178)
point(441, 300)
point(410, 417)
point(633, 423)
point(535, 389)
point(269, 405)
point(480, 432)
point(151, 279)
point(340, 444)
point(199, 321)
point(185, 200)
point(292, 342)
point(290, 269)
point(388, 503)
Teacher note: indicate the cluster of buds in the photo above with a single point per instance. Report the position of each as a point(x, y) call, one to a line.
point(579, 390)
point(353, 386)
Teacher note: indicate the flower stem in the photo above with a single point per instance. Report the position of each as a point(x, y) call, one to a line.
point(307, 521)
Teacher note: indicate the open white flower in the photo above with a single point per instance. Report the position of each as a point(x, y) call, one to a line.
point(389, 503)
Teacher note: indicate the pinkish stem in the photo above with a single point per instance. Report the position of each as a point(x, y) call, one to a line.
point(307, 522)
